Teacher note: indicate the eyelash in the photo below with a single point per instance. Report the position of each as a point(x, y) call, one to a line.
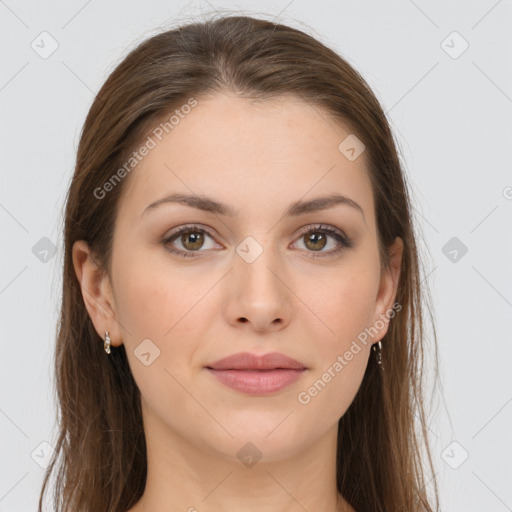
point(344, 241)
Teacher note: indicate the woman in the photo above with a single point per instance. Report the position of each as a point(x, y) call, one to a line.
point(238, 239)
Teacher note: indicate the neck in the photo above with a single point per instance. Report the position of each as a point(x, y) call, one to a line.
point(193, 478)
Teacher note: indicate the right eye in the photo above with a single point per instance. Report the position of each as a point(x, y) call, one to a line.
point(190, 237)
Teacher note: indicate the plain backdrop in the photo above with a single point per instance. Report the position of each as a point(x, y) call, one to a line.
point(443, 73)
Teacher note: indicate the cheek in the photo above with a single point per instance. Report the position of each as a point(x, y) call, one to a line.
point(330, 392)
point(153, 296)
point(165, 305)
point(156, 303)
point(343, 306)
point(341, 353)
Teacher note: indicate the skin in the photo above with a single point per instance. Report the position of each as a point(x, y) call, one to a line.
point(258, 157)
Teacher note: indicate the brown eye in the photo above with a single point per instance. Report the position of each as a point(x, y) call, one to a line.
point(315, 241)
point(192, 240)
point(317, 238)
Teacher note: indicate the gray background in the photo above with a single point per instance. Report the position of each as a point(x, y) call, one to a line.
point(452, 116)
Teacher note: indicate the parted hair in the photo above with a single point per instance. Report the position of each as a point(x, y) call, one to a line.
point(383, 458)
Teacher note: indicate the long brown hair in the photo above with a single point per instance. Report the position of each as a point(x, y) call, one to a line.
point(100, 454)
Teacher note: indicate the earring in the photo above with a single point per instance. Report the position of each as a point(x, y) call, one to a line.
point(106, 345)
point(377, 348)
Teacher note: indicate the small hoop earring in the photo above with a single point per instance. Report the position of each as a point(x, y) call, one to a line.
point(106, 345)
point(377, 348)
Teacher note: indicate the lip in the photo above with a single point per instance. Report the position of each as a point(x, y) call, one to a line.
point(248, 361)
point(257, 375)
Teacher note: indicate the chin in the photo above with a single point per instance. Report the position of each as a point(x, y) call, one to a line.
point(259, 435)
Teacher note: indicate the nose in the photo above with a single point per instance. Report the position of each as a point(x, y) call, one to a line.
point(259, 295)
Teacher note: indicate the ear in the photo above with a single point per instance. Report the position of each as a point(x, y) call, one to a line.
point(387, 290)
point(96, 292)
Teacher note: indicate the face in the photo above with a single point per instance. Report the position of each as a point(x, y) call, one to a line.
point(250, 279)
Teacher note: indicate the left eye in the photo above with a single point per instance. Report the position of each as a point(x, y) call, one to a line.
point(315, 238)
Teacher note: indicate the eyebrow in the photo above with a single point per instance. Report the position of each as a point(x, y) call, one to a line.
point(294, 210)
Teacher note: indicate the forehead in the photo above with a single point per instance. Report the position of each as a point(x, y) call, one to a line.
point(248, 154)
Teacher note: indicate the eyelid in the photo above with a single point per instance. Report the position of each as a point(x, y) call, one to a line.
point(323, 227)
